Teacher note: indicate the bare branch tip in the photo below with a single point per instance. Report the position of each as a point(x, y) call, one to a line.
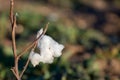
point(46, 27)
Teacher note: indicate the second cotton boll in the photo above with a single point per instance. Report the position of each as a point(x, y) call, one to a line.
point(49, 49)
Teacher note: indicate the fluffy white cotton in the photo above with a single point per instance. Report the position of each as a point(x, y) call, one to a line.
point(56, 48)
point(34, 58)
point(46, 42)
point(49, 49)
point(46, 56)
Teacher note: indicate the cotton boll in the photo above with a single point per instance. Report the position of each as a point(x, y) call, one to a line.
point(54, 46)
point(46, 42)
point(49, 49)
point(34, 58)
point(57, 49)
point(46, 56)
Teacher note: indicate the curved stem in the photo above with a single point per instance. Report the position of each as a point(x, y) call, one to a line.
point(25, 67)
point(13, 24)
point(33, 43)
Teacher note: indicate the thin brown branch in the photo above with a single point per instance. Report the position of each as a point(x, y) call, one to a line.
point(45, 29)
point(13, 70)
point(14, 47)
point(33, 43)
point(25, 67)
point(13, 24)
point(13, 36)
point(11, 10)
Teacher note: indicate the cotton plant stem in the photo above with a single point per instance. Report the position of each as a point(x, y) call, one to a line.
point(11, 10)
point(15, 69)
point(13, 24)
point(13, 37)
point(14, 48)
point(25, 67)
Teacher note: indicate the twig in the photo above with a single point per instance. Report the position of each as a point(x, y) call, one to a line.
point(13, 36)
point(13, 70)
point(11, 10)
point(25, 67)
point(33, 43)
point(13, 24)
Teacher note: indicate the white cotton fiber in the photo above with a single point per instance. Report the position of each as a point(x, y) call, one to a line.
point(46, 56)
point(49, 49)
point(34, 58)
point(46, 42)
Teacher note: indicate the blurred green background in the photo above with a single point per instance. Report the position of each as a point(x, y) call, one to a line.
point(89, 29)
